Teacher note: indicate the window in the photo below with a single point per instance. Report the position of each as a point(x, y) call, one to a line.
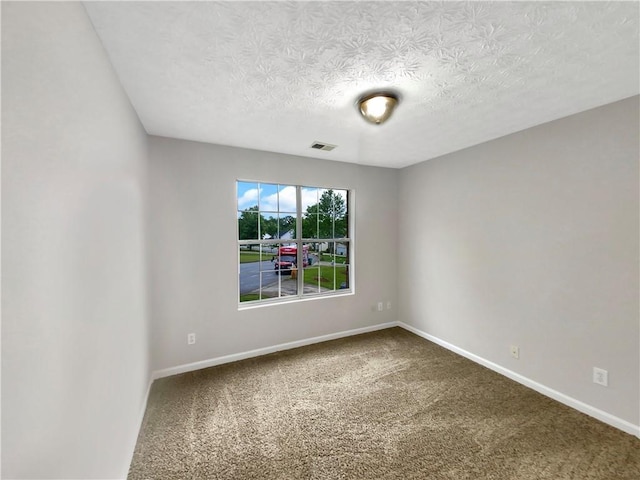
point(293, 242)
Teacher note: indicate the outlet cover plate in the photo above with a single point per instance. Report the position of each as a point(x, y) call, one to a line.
point(600, 376)
point(515, 351)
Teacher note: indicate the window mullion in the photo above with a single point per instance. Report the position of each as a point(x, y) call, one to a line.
point(299, 253)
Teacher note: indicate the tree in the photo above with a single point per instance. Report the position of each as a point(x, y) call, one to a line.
point(310, 222)
point(248, 224)
point(324, 220)
point(252, 225)
point(268, 226)
point(276, 227)
point(287, 223)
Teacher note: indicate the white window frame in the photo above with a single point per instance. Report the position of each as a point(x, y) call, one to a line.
point(299, 242)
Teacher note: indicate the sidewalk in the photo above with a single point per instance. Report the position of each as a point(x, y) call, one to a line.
point(288, 286)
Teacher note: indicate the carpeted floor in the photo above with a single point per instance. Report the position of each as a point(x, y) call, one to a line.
point(383, 405)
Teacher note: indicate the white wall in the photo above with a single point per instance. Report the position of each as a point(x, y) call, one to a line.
point(75, 364)
point(532, 240)
point(193, 247)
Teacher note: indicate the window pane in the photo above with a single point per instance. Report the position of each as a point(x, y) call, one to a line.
point(312, 279)
point(285, 260)
point(286, 269)
point(325, 226)
point(287, 200)
point(269, 284)
point(287, 226)
point(268, 225)
point(342, 253)
point(340, 213)
point(268, 197)
point(248, 225)
point(247, 195)
point(342, 277)
point(314, 253)
point(249, 273)
point(341, 227)
point(310, 196)
point(310, 227)
point(340, 202)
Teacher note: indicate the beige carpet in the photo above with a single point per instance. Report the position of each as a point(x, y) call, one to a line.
point(384, 405)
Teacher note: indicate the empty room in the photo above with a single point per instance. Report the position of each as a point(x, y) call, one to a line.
point(320, 240)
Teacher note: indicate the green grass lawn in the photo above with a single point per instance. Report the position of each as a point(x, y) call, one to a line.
point(326, 273)
point(248, 256)
point(325, 257)
point(249, 297)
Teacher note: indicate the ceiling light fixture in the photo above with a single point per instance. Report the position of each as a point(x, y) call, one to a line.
point(377, 107)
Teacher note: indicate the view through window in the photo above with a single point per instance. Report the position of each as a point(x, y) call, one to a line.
point(293, 241)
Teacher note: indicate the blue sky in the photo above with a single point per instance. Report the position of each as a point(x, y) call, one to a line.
point(277, 198)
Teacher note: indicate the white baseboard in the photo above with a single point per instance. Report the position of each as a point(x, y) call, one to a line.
point(143, 409)
point(190, 367)
point(601, 415)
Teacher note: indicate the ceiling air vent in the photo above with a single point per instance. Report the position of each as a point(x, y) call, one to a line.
point(323, 146)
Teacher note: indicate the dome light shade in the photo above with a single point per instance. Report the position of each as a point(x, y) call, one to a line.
point(377, 107)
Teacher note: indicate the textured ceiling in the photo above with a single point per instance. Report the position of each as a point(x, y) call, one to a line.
point(277, 76)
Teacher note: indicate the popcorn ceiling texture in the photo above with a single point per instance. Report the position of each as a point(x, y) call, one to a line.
point(279, 75)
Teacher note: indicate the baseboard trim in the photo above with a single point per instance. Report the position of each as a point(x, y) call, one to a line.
point(587, 409)
point(190, 367)
point(141, 413)
point(596, 413)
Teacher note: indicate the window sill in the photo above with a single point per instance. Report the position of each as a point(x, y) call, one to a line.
point(287, 300)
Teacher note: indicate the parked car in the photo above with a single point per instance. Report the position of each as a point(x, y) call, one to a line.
point(287, 258)
point(284, 263)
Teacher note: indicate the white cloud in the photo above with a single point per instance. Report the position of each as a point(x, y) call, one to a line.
point(248, 199)
point(286, 198)
point(309, 197)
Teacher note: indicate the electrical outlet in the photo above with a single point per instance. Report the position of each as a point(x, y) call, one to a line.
point(600, 376)
point(191, 338)
point(380, 306)
point(515, 351)
point(388, 305)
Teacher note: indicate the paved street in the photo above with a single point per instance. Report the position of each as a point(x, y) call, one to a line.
point(250, 276)
point(250, 280)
